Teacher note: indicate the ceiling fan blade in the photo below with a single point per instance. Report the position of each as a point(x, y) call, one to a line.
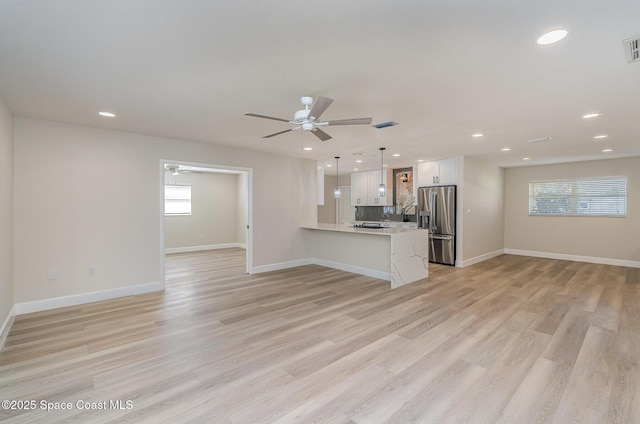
point(255, 115)
point(321, 104)
point(280, 132)
point(356, 121)
point(321, 134)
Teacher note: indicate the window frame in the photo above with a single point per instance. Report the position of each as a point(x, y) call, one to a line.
point(178, 200)
point(574, 197)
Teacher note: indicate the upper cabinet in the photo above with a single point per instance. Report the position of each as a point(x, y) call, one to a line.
point(437, 172)
point(364, 188)
point(359, 188)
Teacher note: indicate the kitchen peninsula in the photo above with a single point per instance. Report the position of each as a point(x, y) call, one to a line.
point(399, 255)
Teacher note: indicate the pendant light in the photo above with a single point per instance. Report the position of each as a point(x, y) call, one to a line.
point(336, 191)
point(382, 190)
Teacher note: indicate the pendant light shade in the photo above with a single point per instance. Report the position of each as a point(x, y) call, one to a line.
point(382, 190)
point(336, 191)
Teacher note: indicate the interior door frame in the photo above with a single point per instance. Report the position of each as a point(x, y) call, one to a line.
point(249, 174)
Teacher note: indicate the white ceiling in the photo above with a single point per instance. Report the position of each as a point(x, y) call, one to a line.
point(442, 69)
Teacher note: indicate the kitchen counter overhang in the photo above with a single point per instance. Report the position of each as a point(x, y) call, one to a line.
point(399, 255)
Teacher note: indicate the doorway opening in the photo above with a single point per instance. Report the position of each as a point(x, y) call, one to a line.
point(204, 208)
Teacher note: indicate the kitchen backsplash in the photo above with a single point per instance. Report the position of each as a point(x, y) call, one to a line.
point(382, 213)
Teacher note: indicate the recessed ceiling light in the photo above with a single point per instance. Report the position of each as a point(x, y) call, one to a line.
point(395, 155)
point(107, 114)
point(385, 165)
point(359, 161)
point(607, 150)
point(552, 36)
point(308, 148)
point(355, 169)
point(591, 115)
point(527, 158)
point(601, 136)
point(477, 135)
point(506, 149)
point(329, 165)
point(420, 160)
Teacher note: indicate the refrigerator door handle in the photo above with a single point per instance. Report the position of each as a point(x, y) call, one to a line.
point(434, 210)
point(438, 237)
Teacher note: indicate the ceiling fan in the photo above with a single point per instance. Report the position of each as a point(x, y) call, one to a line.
point(179, 169)
point(308, 119)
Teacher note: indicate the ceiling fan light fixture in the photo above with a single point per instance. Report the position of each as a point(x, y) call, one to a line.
point(307, 126)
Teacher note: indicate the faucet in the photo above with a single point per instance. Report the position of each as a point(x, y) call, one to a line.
point(404, 212)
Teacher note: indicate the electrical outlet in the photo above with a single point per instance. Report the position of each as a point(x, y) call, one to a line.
point(92, 271)
point(52, 275)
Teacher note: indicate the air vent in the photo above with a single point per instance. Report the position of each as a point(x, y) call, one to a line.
point(632, 49)
point(538, 140)
point(385, 124)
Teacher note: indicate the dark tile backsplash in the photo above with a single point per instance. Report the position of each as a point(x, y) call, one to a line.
point(381, 213)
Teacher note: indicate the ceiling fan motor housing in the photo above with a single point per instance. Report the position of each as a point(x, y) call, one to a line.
point(301, 115)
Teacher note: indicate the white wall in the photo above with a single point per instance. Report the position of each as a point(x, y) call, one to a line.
point(327, 212)
point(87, 197)
point(243, 208)
point(590, 237)
point(214, 206)
point(480, 211)
point(6, 218)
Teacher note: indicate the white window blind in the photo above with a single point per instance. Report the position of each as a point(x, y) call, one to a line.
point(177, 200)
point(605, 196)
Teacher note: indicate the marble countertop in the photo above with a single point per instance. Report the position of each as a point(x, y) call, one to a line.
point(386, 223)
point(350, 229)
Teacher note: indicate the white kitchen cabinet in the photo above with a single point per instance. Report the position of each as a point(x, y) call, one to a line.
point(447, 172)
point(437, 172)
point(364, 188)
point(359, 188)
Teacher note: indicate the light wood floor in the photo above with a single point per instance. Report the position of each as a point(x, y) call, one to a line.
point(510, 340)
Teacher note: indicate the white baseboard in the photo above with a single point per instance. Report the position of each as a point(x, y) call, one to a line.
point(477, 259)
point(6, 326)
point(576, 258)
point(354, 269)
point(281, 265)
point(79, 299)
point(204, 247)
point(329, 264)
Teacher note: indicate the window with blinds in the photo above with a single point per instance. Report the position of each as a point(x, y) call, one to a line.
point(177, 200)
point(606, 196)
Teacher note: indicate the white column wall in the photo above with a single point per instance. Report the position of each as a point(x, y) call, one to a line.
point(6, 219)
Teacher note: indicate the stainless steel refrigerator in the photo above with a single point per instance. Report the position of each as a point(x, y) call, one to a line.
point(437, 214)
